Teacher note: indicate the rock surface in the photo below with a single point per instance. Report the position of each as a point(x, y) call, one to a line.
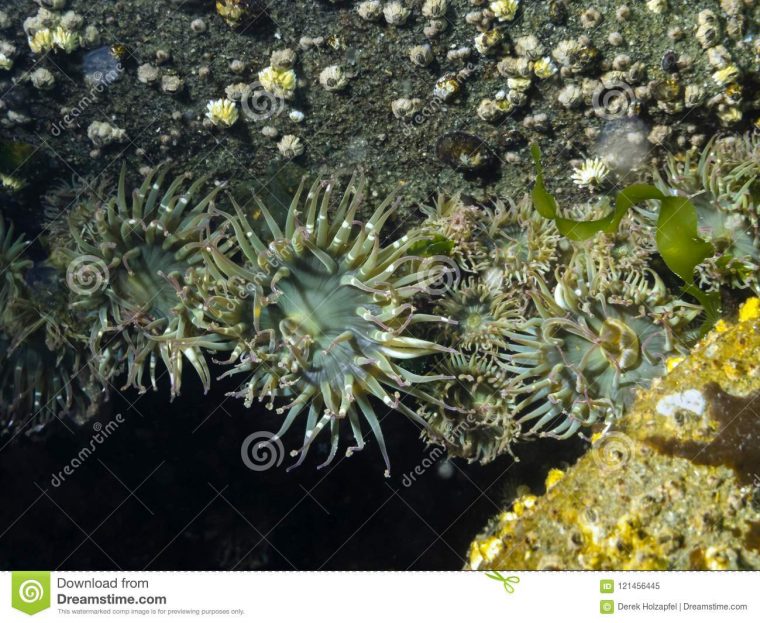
point(675, 485)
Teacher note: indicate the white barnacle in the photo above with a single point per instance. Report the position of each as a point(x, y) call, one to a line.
point(591, 173)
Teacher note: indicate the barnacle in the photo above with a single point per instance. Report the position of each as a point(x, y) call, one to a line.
point(724, 185)
point(12, 264)
point(581, 358)
point(481, 315)
point(126, 269)
point(281, 82)
point(321, 312)
point(222, 112)
point(523, 245)
point(484, 427)
point(591, 173)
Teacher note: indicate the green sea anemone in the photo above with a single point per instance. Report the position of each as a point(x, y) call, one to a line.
point(127, 270)
point(482, 316)
point(45, 371)
point(13, 264)
point(581, 358)
point(484, 427)
point(456, 220)
point(523, 246)
point(321, 312)
point(723, 183)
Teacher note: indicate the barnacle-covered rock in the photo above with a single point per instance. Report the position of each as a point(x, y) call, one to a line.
point(670, 487)
point(320, 312)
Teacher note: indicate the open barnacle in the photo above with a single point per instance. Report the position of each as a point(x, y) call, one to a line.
point(126, 271)
point(321, 312)
point(582, 358)
point(484, 426)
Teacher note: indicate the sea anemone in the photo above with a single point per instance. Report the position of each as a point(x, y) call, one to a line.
point(723, 186)
point(484, 427)
point(458, 223)
point(44, 368)
point(613, 263)
point(524, 246)
point(581, 358)
point(321, 312)
point(12, 264)
point(482, 316)
point(127, 268)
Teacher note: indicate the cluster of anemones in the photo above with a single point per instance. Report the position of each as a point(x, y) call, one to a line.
point(538, 336)
point(553, 335)
point(316, 311)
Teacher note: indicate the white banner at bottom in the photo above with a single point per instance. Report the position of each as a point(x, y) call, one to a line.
point(379, 596)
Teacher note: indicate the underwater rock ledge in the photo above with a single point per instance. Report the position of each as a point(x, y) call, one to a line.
point(673, 486)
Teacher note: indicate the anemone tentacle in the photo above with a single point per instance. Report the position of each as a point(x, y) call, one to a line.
point(44, 369)
point(321, 311)
point(13, 264)
point(581, 359)
point(142, 247)
point(484, 427)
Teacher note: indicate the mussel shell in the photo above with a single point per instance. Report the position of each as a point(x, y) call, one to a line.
point(465, 152)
